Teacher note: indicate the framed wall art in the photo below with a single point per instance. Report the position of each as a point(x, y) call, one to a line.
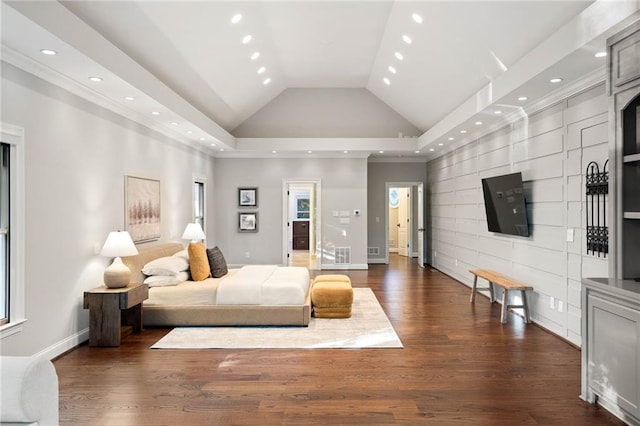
point(142, 208)
point(248, 222)
point(248, 197)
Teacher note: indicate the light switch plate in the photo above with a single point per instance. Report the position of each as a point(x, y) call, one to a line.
point(570, 234)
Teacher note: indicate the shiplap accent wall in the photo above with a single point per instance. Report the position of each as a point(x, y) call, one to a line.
point(551, 148)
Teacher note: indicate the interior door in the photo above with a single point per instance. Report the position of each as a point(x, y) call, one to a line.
point(403, 222)
point(420, 221)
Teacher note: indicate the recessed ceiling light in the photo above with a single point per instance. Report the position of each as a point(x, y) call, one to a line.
point(266, 81)
point(450, 138)
point(345, 152)
point(274, 151)
point(174, 123)
point(555, 80)
point(261, 70)
point(597, 55)
point(478, 123)
point(392, 70)
point(431, 149)
point(417, 152)
point(406, 39)
point(95, 79)
point(246, 39)
point(155, 113)
point(497, 112)
point(399, 56)
point(463, 131)
point(381, 152)
point(417, 18)
point(255, 55)
point(212, 144)
point(386, 81)
point(129, 98)
point(236, 18)
point(221, 149)
point(309, 152)
point(48, 52)
point(522, 98)
point(189, 132)
point(440, 144)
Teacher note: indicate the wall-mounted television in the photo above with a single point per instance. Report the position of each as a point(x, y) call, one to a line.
point(505, 205)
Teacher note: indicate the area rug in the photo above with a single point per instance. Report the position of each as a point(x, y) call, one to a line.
point(368, 327)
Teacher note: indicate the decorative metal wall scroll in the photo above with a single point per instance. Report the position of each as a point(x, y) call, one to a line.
point(597, 190)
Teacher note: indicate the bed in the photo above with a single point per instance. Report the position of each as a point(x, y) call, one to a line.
point(251, 295)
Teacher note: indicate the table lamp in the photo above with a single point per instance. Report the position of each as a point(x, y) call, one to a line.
point(118, 244)
point(193, 232)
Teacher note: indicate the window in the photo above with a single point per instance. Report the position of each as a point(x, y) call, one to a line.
point(4, 233)
point(12, 207)
point(302, 208)
point(198, 201)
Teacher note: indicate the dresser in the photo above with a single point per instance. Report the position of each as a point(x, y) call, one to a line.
point(301, 235)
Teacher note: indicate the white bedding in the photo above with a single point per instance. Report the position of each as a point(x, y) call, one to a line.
point(250, 285)
point(264, 285)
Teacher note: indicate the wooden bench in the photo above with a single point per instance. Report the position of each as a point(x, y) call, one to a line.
point(506, 283)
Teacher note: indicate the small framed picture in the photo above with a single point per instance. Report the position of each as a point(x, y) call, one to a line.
point(248, 222)
point(248, 197)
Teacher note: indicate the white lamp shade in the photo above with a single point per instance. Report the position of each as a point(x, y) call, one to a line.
point(193, 232)
point(119, 243)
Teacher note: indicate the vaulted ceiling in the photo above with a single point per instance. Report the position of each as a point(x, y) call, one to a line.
point(205, 67)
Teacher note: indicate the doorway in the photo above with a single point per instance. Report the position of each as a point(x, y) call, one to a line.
point(301, 225)
point(405, 220)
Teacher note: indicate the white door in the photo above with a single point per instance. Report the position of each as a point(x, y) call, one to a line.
point(421, 251)
point(315, 219)
point(403, 222)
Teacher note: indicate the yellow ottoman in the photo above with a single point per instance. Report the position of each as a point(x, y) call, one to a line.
point(332, 296)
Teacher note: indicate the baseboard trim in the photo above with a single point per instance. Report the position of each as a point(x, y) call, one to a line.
point(377, 260)
point(352, 266)
point(63, 346)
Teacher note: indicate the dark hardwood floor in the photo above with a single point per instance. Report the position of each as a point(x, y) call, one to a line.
point(459, 365)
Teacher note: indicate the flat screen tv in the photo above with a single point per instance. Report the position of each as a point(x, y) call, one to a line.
point(505, 205)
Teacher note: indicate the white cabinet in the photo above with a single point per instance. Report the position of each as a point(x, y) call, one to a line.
point(611, 346)
point(611, 306)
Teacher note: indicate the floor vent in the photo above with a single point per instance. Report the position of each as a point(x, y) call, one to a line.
point(374, 251)
point(342, 256)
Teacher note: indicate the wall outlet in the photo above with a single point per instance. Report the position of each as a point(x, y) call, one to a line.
point(560, 306)
point(552, 303)
point(247, 254)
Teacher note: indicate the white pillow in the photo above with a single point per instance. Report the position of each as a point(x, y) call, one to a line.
point(183, 254)
point(170, 265)
point(166, 280)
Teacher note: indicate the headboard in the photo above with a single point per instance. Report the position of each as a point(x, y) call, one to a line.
point(147, 254)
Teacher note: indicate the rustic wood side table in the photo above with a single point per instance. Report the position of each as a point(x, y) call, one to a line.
point(113, 312)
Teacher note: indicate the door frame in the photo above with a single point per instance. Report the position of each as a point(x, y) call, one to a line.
point(395, 184)
point(317, 214)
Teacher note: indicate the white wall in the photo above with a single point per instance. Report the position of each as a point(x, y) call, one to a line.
point(77, 155)
point(344, 188)
point(339, 113)
point(551, 149)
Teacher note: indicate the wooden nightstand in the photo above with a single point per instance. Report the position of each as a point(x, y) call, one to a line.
point(113, 309)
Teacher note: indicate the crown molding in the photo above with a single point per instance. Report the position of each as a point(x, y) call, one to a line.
point(582, 84)
point(49, 75)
